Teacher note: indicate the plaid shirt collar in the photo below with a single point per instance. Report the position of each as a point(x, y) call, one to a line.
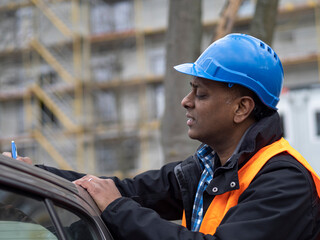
point(206, 156)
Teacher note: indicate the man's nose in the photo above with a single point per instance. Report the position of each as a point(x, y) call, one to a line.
point(188, 101)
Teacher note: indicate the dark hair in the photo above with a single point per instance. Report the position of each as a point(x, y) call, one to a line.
point(260, 110)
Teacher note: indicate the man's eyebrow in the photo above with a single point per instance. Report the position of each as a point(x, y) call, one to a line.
point(193, 85)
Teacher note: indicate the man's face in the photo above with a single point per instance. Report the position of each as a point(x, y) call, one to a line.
point(210, 110)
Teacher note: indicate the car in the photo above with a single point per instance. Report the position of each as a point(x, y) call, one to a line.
point(36, 204)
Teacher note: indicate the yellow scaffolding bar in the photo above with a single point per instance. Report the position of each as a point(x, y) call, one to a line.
point(55, 109)
point(42, 140)
point(51, 60)
point(53, 18)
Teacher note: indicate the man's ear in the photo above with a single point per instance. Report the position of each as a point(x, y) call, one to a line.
point(245, 106)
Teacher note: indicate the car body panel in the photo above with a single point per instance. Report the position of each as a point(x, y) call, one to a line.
point(40, 183)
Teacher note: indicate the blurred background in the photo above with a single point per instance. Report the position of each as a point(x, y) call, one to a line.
point(86, 84)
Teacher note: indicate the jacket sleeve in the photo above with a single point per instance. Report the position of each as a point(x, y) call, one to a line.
point(69, 175)
point(127, 219)
point(155, 189)
point(264, 211)
point(149, 201)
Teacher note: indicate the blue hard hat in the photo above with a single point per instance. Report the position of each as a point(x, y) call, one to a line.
point(244, 60)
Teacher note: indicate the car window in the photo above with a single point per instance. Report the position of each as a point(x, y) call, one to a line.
point(76, 226)
point(25, 231)
point(24, 217)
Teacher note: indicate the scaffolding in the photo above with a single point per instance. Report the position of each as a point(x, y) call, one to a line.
point(90, 94)
point(59, 115)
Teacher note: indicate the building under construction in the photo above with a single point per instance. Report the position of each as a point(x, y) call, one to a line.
point(81, 81)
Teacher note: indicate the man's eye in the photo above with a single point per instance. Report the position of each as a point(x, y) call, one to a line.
point(201, 96)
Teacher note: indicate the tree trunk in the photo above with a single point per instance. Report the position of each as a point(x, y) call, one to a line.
point(183, 42)
point(264, 20)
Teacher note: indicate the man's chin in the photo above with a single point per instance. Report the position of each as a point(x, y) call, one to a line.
point(192, 135)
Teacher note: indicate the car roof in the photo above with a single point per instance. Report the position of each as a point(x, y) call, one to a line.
point(27, 178)
point(13, 172)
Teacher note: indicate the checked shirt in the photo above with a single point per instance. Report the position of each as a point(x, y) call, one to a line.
point(206, 155)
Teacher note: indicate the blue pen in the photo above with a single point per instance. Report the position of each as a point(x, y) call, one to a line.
point(14, 150)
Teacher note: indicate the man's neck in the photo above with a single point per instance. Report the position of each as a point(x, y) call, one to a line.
point(231, 146)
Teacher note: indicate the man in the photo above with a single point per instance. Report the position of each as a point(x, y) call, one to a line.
point(244, 181)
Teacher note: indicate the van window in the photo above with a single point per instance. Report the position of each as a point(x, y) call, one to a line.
point(318, 123)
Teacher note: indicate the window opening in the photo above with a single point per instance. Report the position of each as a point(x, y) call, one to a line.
point(23, 217)
point(76, 226)
point(318, 123)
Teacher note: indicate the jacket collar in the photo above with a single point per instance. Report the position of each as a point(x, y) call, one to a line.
point(262, 133)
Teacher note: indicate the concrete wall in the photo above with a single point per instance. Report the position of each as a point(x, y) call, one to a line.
point(12, 119)
point(114, 60)
point(154, 14)
point(296, 37)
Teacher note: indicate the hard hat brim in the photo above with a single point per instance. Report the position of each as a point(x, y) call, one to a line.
point(192, 69)
point(235, 78)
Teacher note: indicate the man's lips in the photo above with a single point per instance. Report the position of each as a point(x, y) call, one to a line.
point(190, 120)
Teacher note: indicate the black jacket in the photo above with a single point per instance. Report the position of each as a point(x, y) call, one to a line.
point(280, 203)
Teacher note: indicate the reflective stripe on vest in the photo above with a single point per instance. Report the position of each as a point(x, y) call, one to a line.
point(222, 203)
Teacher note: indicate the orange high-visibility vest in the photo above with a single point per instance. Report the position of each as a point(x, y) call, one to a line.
point(222, 203)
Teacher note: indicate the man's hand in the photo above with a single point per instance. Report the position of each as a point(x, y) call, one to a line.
point(22, 159)
point(103, 191)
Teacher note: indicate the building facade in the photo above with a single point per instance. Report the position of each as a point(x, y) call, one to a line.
point(81, 81)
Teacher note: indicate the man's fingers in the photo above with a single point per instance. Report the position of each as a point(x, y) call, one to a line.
point(103, 191)
point(7, 154)
point(22, 159)
point(83, 180)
